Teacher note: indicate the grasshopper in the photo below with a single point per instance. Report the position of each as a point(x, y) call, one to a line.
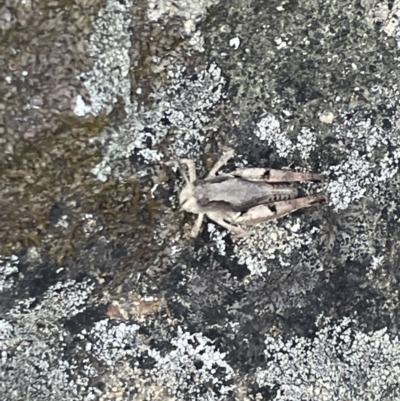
point(246, 196)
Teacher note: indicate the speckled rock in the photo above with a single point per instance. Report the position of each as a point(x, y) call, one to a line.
point(103, 294)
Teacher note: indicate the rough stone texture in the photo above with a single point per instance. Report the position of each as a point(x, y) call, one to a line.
point(103, 294)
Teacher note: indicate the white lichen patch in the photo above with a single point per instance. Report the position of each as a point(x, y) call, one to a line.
point(187, 106)
point(8, 267)
point(377, 262)
point(196, 357)
point(79, 107)
point(269, 130)
point(110, 343)
point(33, 343)
point(108, 45)
point(274, 240)
point(351, 181)
point(386, 15)
point(217, 238)
point(191, 12)
point(306, 143)
point(196, 42)
point(65, 299)
point(184, 102)
point(339, 363)
point(187, 370)
point(360, 173)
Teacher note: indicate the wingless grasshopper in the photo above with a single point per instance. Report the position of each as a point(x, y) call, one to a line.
point(246, 196)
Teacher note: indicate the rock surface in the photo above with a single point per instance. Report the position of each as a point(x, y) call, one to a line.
point(103, 294)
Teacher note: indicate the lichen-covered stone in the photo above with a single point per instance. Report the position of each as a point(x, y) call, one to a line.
point(103, 295)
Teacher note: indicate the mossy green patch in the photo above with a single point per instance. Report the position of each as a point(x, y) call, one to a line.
point(56, 169)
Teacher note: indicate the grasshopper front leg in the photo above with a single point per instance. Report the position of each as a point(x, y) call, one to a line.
point(191, 168)
point(190, 165)
point(197, 226)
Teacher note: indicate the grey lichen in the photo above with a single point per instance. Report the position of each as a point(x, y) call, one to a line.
point(108, 46)
point(340, 362)
point(8, 268)
point(33, 345)
point(189, 369)
point(186, 112)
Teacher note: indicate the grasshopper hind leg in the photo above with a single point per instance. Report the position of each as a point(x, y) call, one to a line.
point(276, 176)
point(275, 210)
